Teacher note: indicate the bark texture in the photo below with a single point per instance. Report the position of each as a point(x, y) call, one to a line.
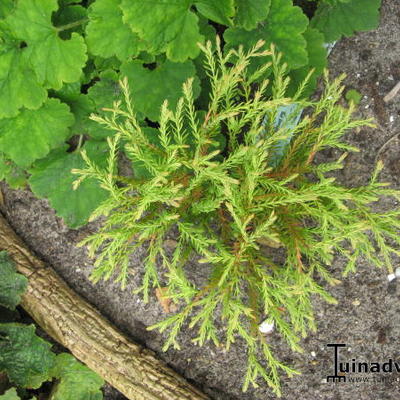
point(71, 321)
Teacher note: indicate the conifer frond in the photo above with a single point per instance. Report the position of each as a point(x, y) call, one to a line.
point(240, 210)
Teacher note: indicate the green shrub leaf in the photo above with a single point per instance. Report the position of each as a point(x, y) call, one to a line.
point(165, 81)
point(19, 83)
point(346, 18)
point(32, 134)
point(54, 60)
point(77, 382)
point(166, 25)
point(14, 175)
point(284, 28)
point(317, 59)
point(12, 284)
point(52, 178)
point(251, 12)
point(219, 11)
point(107, 35)
point(25, 357)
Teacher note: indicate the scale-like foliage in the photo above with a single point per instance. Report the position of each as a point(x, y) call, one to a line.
point(77, 52)
point(267, 226)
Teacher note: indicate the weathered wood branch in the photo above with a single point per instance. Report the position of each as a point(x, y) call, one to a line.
point(71, 321)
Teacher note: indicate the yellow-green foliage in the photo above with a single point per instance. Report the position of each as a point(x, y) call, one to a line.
point(267, 228)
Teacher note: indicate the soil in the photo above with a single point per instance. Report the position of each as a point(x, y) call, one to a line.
point(367, 317)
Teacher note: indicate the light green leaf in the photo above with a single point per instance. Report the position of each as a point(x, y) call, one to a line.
point(107, 35)
point(220, 11)
point(77, 382)
point(32, 134)
point(317, 59)
point(166, 25)
point(6, 7)
point(353, 96)
point(52, 178)
point(69, 15)
point(11, 173)
point(346, 18)
point(25, 357)
point(165, 80)
point(102, 94)
point(54, 60)
point(19, 86)
point(251, 12)
point(80, 104)
point(12, 284)
point(11, 394)
point(284, 27)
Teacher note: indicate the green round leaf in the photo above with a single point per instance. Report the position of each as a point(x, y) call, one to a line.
point(26, 358)
point(107, 35)
point(166, 25)
point(54, 60)
point(32, 134)
point(165, 81)
point(284, 27)
point(52, 178)
point(346, 18)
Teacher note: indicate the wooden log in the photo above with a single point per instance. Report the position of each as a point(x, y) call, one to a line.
point(71, 321)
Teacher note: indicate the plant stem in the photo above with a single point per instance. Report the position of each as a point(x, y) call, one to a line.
point(72, 25)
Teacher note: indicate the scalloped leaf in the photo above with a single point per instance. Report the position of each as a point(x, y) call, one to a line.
point(220, 11)
point(31, 23)
point(32, 134)
point(346, 18)
point(6, 7)
point(107, 35)
point(166, 25)
point(52, 178)
point(25, 357)
point(317, 59)
point(11, 173)
point(77, 382)
point(284, 27)
point(165, 80)
point(251, 12)
point(12, 284)
point(18, 82)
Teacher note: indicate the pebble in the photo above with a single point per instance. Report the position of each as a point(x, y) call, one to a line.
point(391, 118)
point(266, 327)
point(356, 302)
point(397, 272)
point(313, 354)
point(391, 277)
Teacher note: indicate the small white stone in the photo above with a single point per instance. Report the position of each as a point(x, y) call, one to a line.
point(391, 118)
point(358, 74)
point(367, 106)
point(313, 354)
point(377, 83)
point(390, 277)
point(397, 272)
point(78, 270)
point(349, 349)
point(267, 326)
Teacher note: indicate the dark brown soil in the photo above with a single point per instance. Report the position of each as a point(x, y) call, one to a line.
point(367, 318)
